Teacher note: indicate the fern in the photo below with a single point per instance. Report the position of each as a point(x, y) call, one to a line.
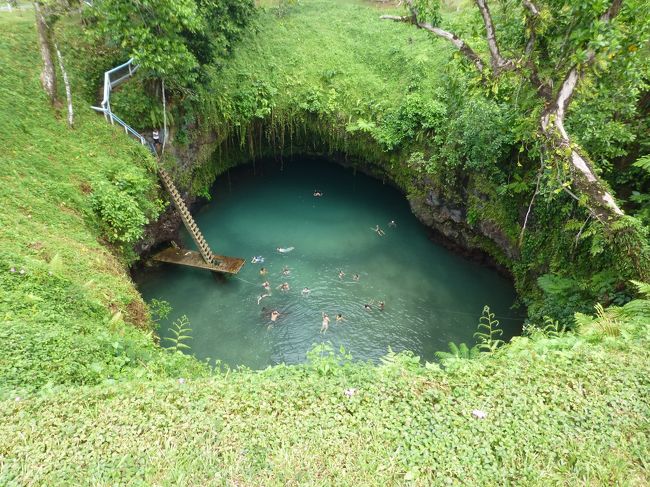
point(458, 352)
point(643, 163)
point(643, 288)
point(180, 329)
point(488, 332)
point(552, 328)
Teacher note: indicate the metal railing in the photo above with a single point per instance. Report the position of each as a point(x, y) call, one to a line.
point(112, 78)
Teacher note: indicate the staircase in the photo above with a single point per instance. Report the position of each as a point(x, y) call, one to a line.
point(188, 221)
point(205, 259)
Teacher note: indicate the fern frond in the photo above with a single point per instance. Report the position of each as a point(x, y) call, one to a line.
point(642, 287)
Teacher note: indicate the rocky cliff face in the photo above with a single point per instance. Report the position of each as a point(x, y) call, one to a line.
point(447, 220)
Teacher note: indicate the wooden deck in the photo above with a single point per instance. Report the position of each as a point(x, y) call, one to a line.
point(226, 265)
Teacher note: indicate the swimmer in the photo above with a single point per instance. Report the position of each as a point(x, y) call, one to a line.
point(266, 285)
point(392, 224)
point(341, 274)
point(263, 271)
point(257, 259)
point(326, 323)
point(284, 286)
point(367, 307)
point(379, 231)
point(339, 317)
point(261, 297)
point(355, 277)
point(275, 314)
point(318, 193)
point(286, 271)
point(306, 291)
point(284, 250)
point(381, 306)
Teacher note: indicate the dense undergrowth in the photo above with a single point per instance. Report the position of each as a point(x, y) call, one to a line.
point(87, 398)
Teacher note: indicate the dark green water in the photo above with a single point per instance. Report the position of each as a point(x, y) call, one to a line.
point(431, 295)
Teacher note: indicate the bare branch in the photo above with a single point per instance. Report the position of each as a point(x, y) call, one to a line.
point(531, 7)
point(450, 36)
point(398, 18)
point(498, 62)
point(531, 21)
point(66, 82)
point(532, 200)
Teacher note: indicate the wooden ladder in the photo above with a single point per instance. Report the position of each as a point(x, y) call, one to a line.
point(188, 221)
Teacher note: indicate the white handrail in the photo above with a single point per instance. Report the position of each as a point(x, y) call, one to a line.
point(105, 105)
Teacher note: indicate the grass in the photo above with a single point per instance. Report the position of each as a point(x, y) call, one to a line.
point(87, 398)
point(570, 416)
point(68, 311)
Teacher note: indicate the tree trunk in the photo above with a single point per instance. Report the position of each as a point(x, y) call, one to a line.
point(48, 75)
point(66, 82)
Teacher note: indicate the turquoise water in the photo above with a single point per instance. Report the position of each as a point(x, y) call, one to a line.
point(431, 296)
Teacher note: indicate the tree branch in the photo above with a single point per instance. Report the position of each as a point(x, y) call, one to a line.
point(498, 62)
point(531, 7)
point(461, 45)
point(552, 122)
point(66, 82)
point(575, 73)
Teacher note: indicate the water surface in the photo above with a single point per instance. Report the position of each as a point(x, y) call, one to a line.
point(431, 295)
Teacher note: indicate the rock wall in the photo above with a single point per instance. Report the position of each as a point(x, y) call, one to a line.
point(447, 220)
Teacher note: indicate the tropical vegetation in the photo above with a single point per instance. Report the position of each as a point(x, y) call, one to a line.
point(88, 396)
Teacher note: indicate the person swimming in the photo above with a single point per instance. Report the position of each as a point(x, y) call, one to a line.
point(284, 250)
point(379, 231)
point(326, 323)
point(381, 306)
point(284, 286)
point(306, 291)
point(318, 193)
point(267, 286)
point(341, 274)
point(286, 271)
point(261, 297)
point(392, 224)
point(257, 259)
point(263, 271)
point(355, 277)
point(339, 317)
point(275, 314)
point(367, 307)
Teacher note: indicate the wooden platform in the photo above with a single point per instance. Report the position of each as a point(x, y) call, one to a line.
point(227, 265)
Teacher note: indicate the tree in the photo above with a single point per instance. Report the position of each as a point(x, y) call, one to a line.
point(47, 13)
point(48, 75)
point(171, 39)
point(550, 45)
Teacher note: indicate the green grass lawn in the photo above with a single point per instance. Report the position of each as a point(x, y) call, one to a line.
point(87, 398)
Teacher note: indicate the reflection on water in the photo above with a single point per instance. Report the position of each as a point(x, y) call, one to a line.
point(431, 296)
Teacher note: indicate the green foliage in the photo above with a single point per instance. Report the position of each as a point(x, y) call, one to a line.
point(69, 313)
point(458, 352)
point(284, 7)
point(124, 203)
point(488, 332)
point(180, 330)
point(323, 359)
point(159, 309)
point(66, 323)
point(171, 39)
